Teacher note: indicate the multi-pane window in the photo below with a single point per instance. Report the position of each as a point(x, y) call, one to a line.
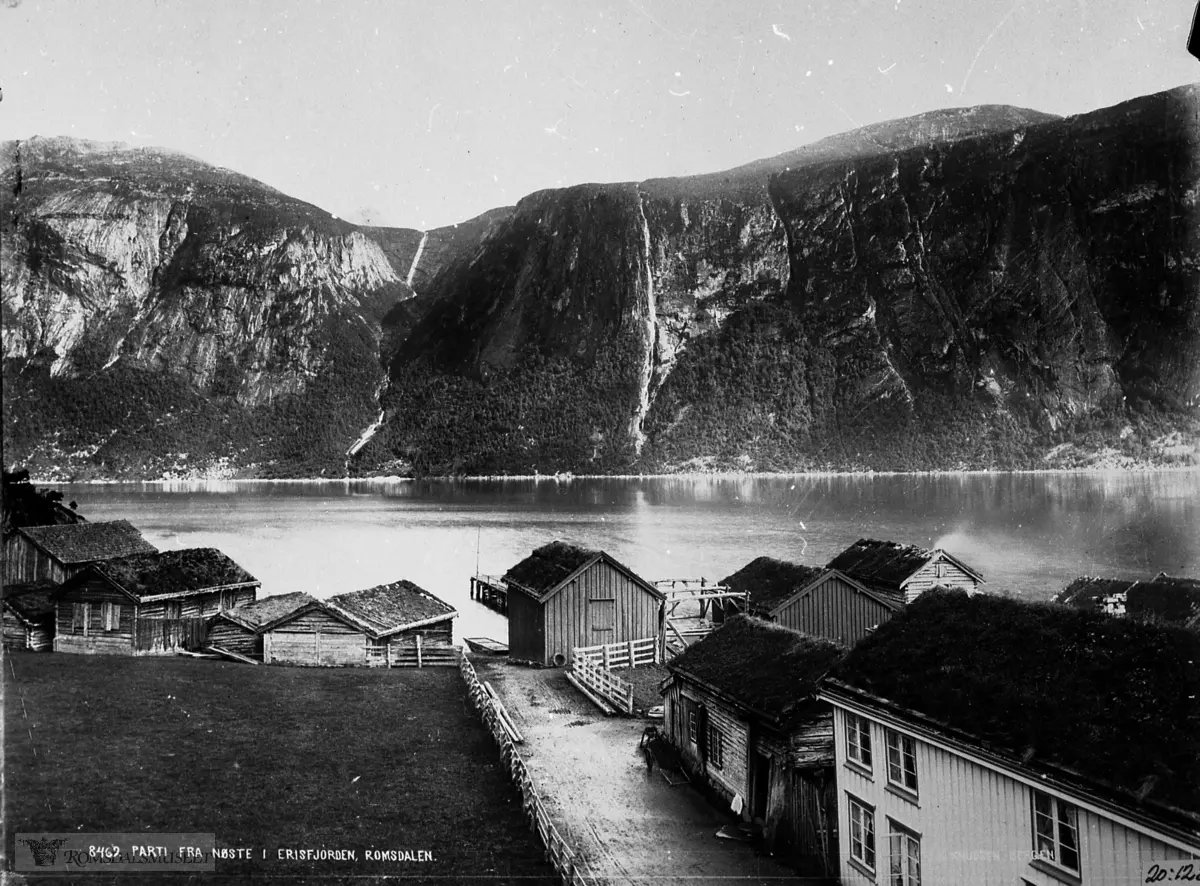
point(901, 760)
point(692, 732)
point(904, 857)
point(716, 750)
point(1056, 830)
point(858, 739)
point(862, 833)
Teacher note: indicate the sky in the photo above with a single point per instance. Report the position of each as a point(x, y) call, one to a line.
point(422, 114)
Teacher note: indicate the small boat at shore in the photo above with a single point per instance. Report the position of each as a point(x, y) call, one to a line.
point(486, 645)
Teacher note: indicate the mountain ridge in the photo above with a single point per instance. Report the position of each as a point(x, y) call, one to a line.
point(747, 319)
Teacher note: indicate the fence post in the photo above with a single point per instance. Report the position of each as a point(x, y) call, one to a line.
point(631, 658)
point(418, 650)
point(604, 655)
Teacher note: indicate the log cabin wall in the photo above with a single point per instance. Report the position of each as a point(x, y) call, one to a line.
point(235, 638)
point(835, 610)
point(315, 638)
point(18, 635)
point(438, 634)
point(601, 605)
point(94, 617)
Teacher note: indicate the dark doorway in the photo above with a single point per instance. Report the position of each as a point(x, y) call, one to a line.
point(761, 781)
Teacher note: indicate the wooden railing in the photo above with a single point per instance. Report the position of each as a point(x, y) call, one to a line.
point(618, 655)
point(573, 868)
point(418, 655)
point(603, 682)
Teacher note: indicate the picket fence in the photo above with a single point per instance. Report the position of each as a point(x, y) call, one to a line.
point(574, 870)
point(618, 655)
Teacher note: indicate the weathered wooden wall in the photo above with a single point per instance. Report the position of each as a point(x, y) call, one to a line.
point(835, 610)
point(976, 824)
point(602, 605)
point(235, 638)
point(315, 638)
point(199, 605)
point(26, 562)
point(526, 628)
point(939, 572)
point(18, 635)
point(732, 776)
point(89, 634)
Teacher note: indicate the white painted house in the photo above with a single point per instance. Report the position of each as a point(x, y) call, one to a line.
point(981, 740)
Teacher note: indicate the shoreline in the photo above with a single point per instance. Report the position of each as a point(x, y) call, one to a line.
point(683, 475)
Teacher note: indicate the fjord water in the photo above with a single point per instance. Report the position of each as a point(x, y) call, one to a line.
point(1029, 534)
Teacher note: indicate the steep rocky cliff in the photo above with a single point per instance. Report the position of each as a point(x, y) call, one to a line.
point(983, 287)
point(978, 288)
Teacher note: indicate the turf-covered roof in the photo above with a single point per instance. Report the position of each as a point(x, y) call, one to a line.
point(31, 600)
point(548, 566)
point(191, 570)
point(882, 564)
point(1112, 699)
point(268, 609)
point(770, 581)
point(74, 543)
point(766, 667)
point(391, 607)
point(1163, 598)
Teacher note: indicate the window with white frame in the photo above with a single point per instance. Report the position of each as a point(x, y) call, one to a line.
point(858, 739)
point(1056, 831)
point(904, 857)
point(901, 760)
point(692, 736)
point(862, 833)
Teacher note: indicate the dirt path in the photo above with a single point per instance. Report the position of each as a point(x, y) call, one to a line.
point(630, 827)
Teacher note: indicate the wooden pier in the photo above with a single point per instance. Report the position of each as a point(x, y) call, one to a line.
point(491, 592)
point(702, 603)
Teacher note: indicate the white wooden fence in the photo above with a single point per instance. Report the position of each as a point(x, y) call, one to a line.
point(574, 869)
point(603, 682)
point(618, 655)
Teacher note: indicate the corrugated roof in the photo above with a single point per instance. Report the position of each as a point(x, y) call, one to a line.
point(770, 581)
point(31, 600)
point(548, 566)
point(74, 543)
point(173, 572)
point(392, 607)
point(764, 666)
point(1112, 699)
point(268, 609)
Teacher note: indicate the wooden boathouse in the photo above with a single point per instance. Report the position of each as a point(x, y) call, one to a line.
point(814, 601)
point(392, 625)
point(240, 630)
point(1060, 742)
point(741, 708)
point(61, 550)
point(148, 603)
point(562, 597)
point(903, 572)
point(28, 616)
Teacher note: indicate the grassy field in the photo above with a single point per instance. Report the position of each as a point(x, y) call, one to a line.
point(265, 758)
point(645, 680)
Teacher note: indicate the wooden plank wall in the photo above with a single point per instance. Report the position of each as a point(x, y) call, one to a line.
point(976, 824)
point(526, 629)
point(601, 606)
point(315, 638)
point(235, 638)
point(16, 635)
point(93, 594)
point(927, 578)
point(836, 611)
point(26, 562)
point(733, 776)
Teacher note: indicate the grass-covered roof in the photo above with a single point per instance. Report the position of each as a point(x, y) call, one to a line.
point(766, 667)
point(73, 543)
point(32, 600)
point(1114, 700)
point(548, 566)
point(882, 564)
point(191, 570)
point(770, 581)
point(393, 606)
point(268, 609)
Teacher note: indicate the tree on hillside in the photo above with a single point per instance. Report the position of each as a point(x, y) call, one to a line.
point(26, 505)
